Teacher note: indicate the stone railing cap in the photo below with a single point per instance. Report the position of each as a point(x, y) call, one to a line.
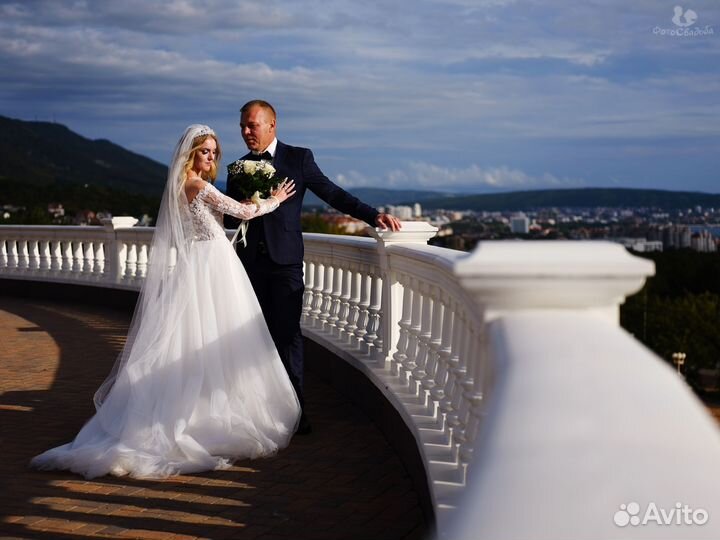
point(119, 222)
point(546, 258)
point(411, 232)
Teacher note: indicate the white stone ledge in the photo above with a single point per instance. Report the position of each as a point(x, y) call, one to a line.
point(582, 418)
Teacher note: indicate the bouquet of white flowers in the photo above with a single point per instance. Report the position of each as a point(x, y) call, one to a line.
point(252, 179)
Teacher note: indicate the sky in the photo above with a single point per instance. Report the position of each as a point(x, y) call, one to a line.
point(469, 96)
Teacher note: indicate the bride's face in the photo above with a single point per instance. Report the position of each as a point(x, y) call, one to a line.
point(205, 156)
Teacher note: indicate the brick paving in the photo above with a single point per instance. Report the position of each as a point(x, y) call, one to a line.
point(341, 482)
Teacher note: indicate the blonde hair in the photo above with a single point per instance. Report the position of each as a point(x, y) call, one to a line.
point(196, 144)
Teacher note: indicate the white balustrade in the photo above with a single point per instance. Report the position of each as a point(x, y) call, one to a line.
point(465, 347)
point(67, 254)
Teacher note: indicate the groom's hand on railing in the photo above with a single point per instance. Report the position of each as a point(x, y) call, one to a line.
point(388, 221)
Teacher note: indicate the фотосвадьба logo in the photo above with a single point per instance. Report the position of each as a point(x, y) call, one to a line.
point(680, 514)
point(684, 19)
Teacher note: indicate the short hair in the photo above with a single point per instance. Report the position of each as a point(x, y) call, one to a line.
point(258, 103)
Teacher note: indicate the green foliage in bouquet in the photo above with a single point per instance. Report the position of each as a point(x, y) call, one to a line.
point(251, 177)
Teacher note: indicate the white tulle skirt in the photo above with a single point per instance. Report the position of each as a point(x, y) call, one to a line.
point(218, 391)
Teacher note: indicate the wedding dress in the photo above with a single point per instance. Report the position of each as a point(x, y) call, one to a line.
point(199, 383)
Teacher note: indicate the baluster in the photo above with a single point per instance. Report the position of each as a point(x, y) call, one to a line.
point(12, 254)
point(344, 312)
point(354, 317)
point(456, 419)
point(131, 262)
point(363, 305)
point(371, 337)
point(326, 297)
point(23, 256)
point(99, 267)
point(118, 265)
point(400, 356)
point(44, 256)
point(334, 317)
point(429, 381)
point(3, 253)
point(56, 257)
point(142, 262)
point(309, 276)
point(419, 373)
point(454, 373)
point(413, 335)
point(442, 390)
point(376, 316)
point(67, 256)
point(461, 436)
point(474, 398)
point(466, 394)
point(77, 255)
point(317, 293)
point(88, 260)
point(33, 255)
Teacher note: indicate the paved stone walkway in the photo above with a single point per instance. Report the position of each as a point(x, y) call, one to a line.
point(341, 482)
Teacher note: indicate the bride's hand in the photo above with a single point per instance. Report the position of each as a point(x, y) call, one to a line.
point(284, 190)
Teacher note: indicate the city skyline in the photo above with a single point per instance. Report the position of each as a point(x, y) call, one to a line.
point(455, 95)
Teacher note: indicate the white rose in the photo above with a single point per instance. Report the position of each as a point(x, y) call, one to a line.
point(267, 169)
point(250, 167)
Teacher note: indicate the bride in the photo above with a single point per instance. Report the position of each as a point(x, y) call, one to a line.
point(199, 382)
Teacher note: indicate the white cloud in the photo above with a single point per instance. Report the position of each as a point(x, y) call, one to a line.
point(431, 177)
point(469, 77)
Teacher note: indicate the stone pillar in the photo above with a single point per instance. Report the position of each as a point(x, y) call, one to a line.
point(113, 271)
point(412, 232)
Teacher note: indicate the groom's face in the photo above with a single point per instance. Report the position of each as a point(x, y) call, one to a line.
point(258, 128)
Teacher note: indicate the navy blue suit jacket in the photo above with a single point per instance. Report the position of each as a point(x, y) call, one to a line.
point(282, 229)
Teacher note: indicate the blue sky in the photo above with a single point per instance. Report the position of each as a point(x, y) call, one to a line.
point(458, 95)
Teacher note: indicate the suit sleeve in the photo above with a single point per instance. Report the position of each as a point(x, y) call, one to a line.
point(333, 194)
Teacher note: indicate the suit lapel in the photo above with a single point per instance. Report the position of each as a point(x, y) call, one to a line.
point(279, 158)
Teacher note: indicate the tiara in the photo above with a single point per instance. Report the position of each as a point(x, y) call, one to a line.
point(205, 130)
point(198, 130)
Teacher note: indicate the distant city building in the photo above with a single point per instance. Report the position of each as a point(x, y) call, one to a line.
point(403, 213)
point(703, 241)
point(681, 236)
point(417, 210)
point(672, 236)
point(640, 245)
point(520, 224)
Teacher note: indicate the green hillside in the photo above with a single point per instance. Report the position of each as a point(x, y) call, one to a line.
point(49, 154)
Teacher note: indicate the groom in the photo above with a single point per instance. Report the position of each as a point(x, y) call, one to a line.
point(273, 256)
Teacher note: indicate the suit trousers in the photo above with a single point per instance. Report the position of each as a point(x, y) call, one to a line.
point(279, 289)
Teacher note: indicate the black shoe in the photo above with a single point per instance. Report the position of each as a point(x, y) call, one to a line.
point(304, 427)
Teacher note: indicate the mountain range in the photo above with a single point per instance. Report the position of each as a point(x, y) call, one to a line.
point(577, 198)
point(50, 154)
point(65, 164)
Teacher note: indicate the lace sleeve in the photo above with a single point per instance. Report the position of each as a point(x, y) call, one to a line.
point(227, 205)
